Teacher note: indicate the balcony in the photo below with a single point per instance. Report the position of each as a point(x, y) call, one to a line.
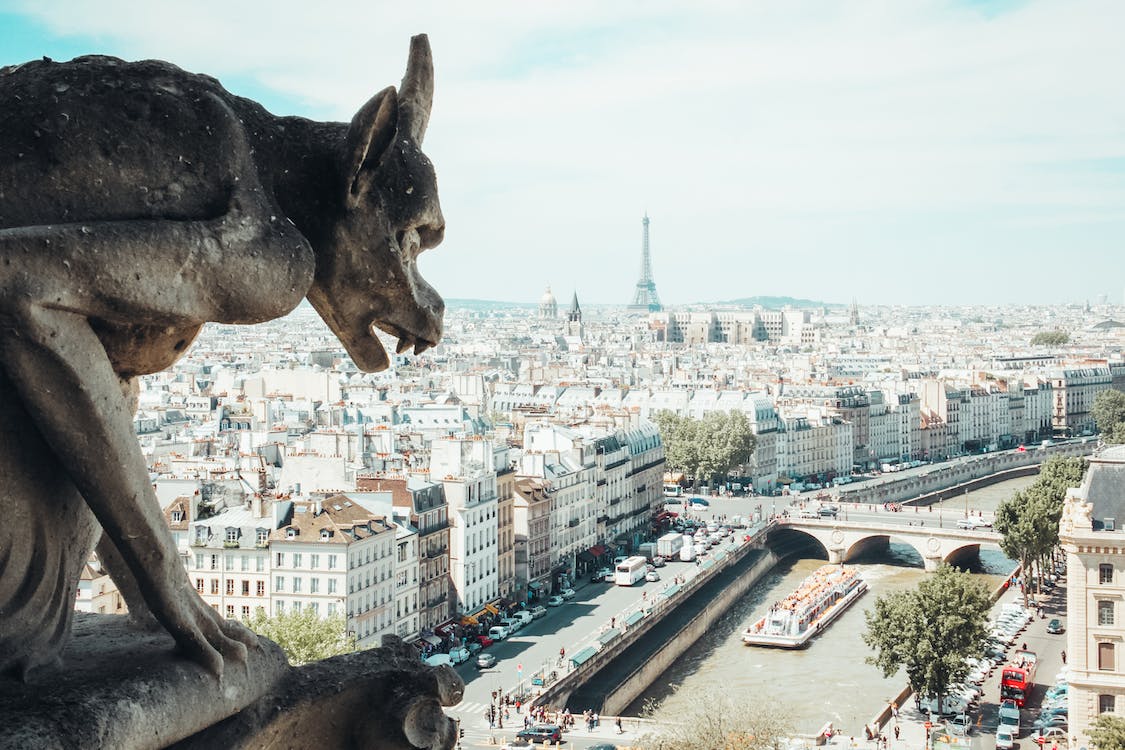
point(573, 522)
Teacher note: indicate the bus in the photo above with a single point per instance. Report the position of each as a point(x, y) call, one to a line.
point(629, 571)
point(671, 489)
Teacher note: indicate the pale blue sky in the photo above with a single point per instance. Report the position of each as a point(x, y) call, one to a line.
point(896, 151)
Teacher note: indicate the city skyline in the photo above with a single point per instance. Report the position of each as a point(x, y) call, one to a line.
point(905, 153)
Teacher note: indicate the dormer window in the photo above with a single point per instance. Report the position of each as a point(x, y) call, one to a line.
point(261, 535)
point(201, 534)
point(325, 535)
point(232, 534)
point(290, 533)
point(177, 516)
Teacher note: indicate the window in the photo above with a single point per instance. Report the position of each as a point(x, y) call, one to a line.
point(279, 607)
point(314, 561)
point(228, 562)
point(260, 563)
point(314, 585)
point(279, 583)
point(245, 612)
point(1106, 703)
point(331, 585)
point(315, 607)
point(199, 561)
point(280, 559)
point(1105, 613)
point(1105, 573)
point(296, 585)
point(261, 588)
point(199, 585)
point(331, 562)
point(245, 587)
point(230, 611)
point(232, 535)
point(1105, 657)
point(261, 536)
point(296, 559)
point(230, 586)
point(215, 586)
point(331, 609)
point(214, 562)
point(245, 563)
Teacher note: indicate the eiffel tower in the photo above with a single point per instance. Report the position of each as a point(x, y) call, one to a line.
point(645, 298)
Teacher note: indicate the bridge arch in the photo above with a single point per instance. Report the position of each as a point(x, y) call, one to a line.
point(785, 541)
point(876, 543)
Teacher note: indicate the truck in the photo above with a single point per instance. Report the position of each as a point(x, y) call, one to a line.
point(669, 545)
point(647, 550)
point(1017, 677)
point(687, 551)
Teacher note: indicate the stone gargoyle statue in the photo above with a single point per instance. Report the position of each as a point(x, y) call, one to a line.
point(137, 202)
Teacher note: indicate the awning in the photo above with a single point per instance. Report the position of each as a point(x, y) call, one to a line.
point(468, 620)
point(583, 656)
point(597, 550)
point(535, 585)
point(608, 636)
point(671, 591)
point(585, 556)
point(433, 640)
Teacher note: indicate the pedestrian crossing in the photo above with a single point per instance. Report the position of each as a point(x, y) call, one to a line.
point(469, 709)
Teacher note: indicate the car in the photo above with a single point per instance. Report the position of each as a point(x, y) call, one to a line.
point(972, 523)
point(1052, 734)
point(1004, 739)
point(523, 616)
point(485, 641)
point(473, 646)
point(438, 660)
point(459, 655)
point(1055, 626)
point(619, 559)
point(603, 574)
point(554, 601)
point(538, 611)
point(486, 661)
point(808, 513)
point(961, 724)
point(828, 511)
point(498, 633)
point(602, 747)
point(512, 624)
point(541, 733)
point(658, 562)
point(567, 594)
point(652, 576)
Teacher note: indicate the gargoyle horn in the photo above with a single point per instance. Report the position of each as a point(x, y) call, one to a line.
point(416, 94)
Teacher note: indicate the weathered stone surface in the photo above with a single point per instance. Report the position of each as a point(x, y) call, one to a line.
point(370, 699)
point(124, 688)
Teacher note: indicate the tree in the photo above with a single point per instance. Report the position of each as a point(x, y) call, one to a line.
point(705, 448)
point(930, 631)
point(303, 635)
point(1108, 412)
point(716, 719)
point(1050, 338)
point(1029, 521)
point(1108, 732)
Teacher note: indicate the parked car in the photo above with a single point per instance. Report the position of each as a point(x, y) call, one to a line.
point(538, 611)
point(807, 513)
point(512, 624)
point(1055, 626)
point(540, 733)
point(567, 594)
point(658, 562)
point(485, 641)
point(698, 503)
point(459, 655)
point(603, 574)
point(973, 523)
point(1052, 734)
point(652, 576)
point(523, 616)
point(828, 511)
point(961, 724)
point(486, 661)
point(438, 660)
point(498, 633)
point(1005, 740)
point(554, 601)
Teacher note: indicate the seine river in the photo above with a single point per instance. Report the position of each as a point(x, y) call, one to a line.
point(829, 680)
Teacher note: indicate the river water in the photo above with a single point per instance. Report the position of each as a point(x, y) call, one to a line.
point(829, 680)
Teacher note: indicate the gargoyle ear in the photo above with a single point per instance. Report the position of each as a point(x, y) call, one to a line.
point(371, 132)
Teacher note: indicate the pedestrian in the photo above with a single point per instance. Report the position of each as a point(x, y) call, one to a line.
point(896, 731)
point(595, 718)
point(618, 723)
point(894, 710)
point(1064, 657)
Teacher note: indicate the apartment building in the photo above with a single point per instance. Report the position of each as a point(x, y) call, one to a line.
point(1092, 533)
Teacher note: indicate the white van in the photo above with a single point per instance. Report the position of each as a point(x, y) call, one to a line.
point(524, 616)
point(512, 624)
point(498, 633)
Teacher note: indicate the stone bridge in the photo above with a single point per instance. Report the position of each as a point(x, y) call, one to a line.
point(844, 540)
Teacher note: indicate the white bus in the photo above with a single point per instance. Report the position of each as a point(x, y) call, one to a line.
point(629, 571)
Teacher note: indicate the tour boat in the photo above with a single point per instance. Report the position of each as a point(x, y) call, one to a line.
point(819, 600)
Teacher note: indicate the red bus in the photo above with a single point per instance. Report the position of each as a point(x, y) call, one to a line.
point(1016, 679)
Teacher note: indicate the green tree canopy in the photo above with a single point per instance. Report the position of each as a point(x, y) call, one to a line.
point(303, 635)
point(1108, 412)
point(1050, 338)
point(1108, 732)
point(929, 631)
point(1029, 521)
point(708, 447)
point(716, 718)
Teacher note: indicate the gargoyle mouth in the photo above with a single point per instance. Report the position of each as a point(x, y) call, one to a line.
point(406, 339)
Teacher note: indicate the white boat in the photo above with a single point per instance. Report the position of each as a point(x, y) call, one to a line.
point(820, 599)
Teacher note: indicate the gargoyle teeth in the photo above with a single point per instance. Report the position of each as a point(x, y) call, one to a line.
point(421, 346)
point(404, 343)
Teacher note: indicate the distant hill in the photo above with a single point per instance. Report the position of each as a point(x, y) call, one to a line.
point(776, 303)
point(486, 304)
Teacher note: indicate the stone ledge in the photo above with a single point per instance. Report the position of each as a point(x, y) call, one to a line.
point(122, 687)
